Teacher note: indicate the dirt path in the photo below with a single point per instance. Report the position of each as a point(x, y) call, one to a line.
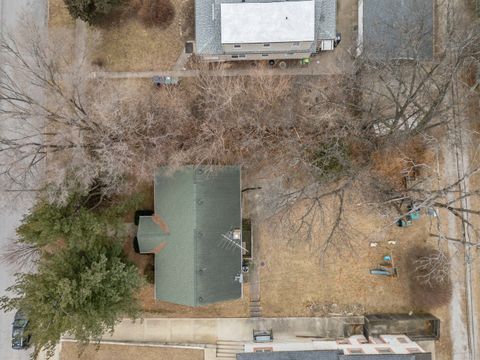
point(227, 72)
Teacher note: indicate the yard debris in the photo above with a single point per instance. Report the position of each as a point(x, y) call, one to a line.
point(333, 309)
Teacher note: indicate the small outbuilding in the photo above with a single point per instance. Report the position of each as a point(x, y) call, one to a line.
point(418, 327)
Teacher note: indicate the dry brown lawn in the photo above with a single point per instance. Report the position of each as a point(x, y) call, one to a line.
point(125, 44)
point(70, 351)
point(58, 16)
point(130, 46)
point(294, 282)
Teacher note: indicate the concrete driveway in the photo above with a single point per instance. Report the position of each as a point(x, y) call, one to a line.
point(10, 215)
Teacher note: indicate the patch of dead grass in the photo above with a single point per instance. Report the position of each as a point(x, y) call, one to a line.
point(123, 43)
point(234, 308)
point(129, 45)
point(294, 282)
point(58, 15)
point(71, 351)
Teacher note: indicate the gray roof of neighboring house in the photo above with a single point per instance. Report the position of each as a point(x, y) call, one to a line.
point(397, 29)
point(261, 22)
point(328, 355)
point(208, 27)
point(420, 356)
point(291, 355)
point(194, 267)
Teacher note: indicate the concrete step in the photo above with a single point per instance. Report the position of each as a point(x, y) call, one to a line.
point(226, 356)
point(226, 348)
point(255, 309)
point(229, 351)
point(229, 347)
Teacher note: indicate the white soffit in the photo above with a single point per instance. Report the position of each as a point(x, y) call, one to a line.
point(282, 21)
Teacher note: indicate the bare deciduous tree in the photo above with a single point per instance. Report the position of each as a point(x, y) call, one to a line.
point(319, 132)
point(429, 272)
point(433, 268)
point(89, 130)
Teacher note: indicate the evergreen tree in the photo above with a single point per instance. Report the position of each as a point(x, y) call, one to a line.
point(83, 283)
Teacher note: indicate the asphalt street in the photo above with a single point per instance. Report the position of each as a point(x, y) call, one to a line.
point(10, 214)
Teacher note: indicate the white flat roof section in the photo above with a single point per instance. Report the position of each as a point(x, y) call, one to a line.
point(270, 22)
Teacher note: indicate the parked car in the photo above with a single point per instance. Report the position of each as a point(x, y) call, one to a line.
point(20, 336)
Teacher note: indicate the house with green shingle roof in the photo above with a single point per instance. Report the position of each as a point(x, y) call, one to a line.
point(196, 208)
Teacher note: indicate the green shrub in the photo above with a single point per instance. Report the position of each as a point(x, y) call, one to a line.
point(154, 12)
point(90, 10)
point(331, 161)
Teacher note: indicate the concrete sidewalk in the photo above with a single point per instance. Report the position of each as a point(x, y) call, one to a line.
point(210, 331)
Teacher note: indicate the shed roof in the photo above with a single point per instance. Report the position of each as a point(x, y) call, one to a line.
point(280, 21)
point(394, 29)
point(192, 264)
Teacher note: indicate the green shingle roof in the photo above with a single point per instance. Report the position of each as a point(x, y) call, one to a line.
point(195, 267)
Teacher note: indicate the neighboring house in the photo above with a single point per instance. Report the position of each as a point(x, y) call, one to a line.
point(393, 29)
point(329, 355)
point(385, 337)
point(196, 210)
point(357, 347)
point(259, 30)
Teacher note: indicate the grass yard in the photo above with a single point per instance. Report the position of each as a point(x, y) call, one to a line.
point(294, 282)
point(122, 42)
point(71, 351)
point(130, 46)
